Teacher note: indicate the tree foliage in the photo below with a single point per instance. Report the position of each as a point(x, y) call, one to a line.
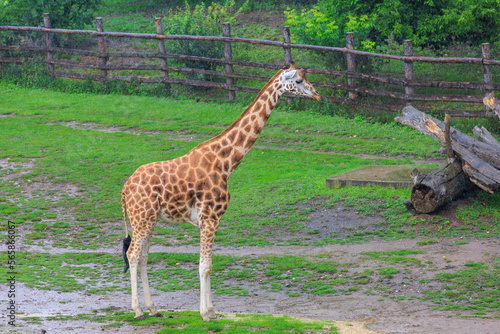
point(318, 26)
point(436, 23)
point(201, 20)
point(64, 14)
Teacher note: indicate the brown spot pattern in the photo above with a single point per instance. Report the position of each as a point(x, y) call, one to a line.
point(193, 188)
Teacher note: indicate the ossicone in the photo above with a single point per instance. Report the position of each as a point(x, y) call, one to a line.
point(290, 66)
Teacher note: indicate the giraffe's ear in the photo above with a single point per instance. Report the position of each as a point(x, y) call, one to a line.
point(290, 74)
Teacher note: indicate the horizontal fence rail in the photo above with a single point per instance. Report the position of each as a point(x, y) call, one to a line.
point(352, 86)
point(460, 60)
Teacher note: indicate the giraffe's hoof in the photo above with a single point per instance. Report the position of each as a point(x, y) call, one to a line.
point(209, 316)
point(212, 315)
point(157, 314)
point(140, 317)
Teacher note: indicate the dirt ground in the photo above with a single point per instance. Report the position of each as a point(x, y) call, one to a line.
point(357, 313)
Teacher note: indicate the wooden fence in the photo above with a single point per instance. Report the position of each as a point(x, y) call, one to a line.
point(352, 87)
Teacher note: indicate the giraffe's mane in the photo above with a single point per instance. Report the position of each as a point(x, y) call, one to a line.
point(216, 138)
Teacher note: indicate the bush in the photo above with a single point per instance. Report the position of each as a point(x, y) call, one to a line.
point(436, 23)
point(202, 21)
point(320, 27)
point(275, 5)
point(324, 27)
point(64, 14)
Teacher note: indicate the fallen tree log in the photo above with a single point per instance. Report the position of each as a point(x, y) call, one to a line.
point(485, 136)
point(492, 103)
point(479, 160)
point(439, 187)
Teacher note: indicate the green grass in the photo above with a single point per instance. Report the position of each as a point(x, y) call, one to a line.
point(427, 242)
point(190, 322)
point(394, 257)
point(388, 272)
point(113, 135)
point(474, 288)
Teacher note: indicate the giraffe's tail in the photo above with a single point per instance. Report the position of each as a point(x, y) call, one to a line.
point(124, 212)
point(127, 239)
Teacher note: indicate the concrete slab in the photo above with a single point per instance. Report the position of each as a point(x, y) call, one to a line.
point(384, 176)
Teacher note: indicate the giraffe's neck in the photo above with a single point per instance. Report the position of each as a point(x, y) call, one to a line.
point(233, 144)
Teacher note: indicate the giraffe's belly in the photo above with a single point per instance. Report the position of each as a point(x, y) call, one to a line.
point(189, 217)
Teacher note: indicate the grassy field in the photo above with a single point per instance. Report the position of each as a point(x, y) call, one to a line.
point(188, 321)
point(65, 153)
point(94, 142)
point(65, 157)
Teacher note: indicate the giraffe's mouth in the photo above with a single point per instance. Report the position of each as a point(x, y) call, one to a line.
point(316, 97)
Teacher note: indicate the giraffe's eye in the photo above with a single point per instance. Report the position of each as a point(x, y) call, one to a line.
point(298, 81)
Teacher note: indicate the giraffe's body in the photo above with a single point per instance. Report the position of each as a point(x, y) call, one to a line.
point(193, 188)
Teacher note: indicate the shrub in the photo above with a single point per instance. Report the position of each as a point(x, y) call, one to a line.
point(322, 26)
point(200, 21)
point(64, 14)
point(436, 23)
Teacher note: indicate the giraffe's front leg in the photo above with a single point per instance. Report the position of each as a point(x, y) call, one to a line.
point(210, 306)
point(207, 237)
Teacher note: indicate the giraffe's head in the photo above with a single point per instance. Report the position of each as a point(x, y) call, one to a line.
point(294, 81)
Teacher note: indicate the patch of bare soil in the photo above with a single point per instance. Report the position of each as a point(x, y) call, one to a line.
point(370, 313)
point(31, 188)
point(174, 135)
point(12, 169)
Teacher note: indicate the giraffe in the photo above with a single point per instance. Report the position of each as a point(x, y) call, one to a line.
point(193, 188)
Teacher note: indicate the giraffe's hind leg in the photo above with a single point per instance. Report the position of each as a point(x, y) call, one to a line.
point(143, 261)
point(133, 259)
point(137, 255)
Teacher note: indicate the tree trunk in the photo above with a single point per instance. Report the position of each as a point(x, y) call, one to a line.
point(485, 136)
point(480, 158)
point(492, 103)
point(438, 187)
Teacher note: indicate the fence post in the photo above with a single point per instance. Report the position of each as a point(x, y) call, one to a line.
point(288, 51)
point(48, 42)
point(228, 55)
point(408, 52)
point(101, 49)
point(486, 71)
point(487, 68)
point(351, 64)
point(161, 50)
